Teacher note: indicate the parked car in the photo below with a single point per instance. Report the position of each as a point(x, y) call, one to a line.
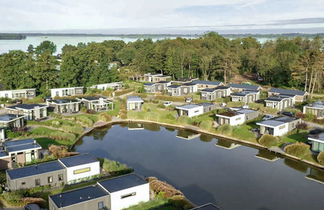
point(167, 103)
point(289, 114)
point(32, 206)
point(188, 100)
point(268, 117)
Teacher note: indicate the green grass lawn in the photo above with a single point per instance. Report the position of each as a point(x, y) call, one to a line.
point(45, 142)
point(295, 137)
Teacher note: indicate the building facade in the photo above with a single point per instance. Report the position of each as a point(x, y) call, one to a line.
point(190, 110)
point(245, 96)
point(64, 92)
point(18, 94)
point(211, 94)
point(97, 104)
point(67, 170)
point(62, 106)
point(316, 109)
point(280, 102)
point(300, 96)
point(29, 111)
point(113, 194)
point(134, 103)
point(12, 121)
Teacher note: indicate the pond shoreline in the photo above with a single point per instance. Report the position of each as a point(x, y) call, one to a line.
point(276, 150)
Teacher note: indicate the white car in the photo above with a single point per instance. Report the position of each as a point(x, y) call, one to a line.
point(167, 103)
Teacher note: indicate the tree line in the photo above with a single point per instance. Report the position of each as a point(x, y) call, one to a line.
point(293, 63)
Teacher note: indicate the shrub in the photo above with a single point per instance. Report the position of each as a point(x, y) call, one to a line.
point(57, 135)
point(206, 124)
point(302, 126)
point(105, 117)
point(14, 198)
point(320, 158)
point(225, 129)
point(298, 149)
point(269, 140)
point(84, 120)
point(115, 167)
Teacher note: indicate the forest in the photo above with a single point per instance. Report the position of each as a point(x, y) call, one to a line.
point(285, 62)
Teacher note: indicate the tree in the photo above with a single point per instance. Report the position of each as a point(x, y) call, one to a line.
point(46, 46)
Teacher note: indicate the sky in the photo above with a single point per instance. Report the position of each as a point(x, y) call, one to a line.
point(159, 15)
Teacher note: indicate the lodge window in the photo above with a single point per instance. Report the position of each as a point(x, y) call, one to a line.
point(37, 182)
point(50, 179)
point(101, 205)
point(23, 183)
point(238, 119)
point(82, 170)
point(60, 177)
point(282, 127)
point(128, 195)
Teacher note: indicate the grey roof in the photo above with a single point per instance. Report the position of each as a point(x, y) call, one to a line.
point(285, 119)
point(243, 93)
point(64, 101)
point(21, 145)
point(317, 104)
point(204, 82)
point(78, 160)
point(245, 86)
point(246, 111)
point(9, 117)
point(208, 206)
point(149, 84)
point(174, 86)
point(319, 137)
point(3, 154)
point(214, 89)
point(122, 182)
point(277, 98)
point(287, 92)
point(93, 98)
point(163, 82)
point(188, 106)
point(206, 104)
point(78, 196)
point(272, 123)
point(41, 168)
point(134, 99)
point(26, 106)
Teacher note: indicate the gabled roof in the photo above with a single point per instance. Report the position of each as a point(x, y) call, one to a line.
point(78, 196)
point(287, 91)
point(122, 182)
point(34, 169)
point(205, 82)
point(214, 89)
point(243, 93)
point(77, 160)
point(9, 117)
point(277, 98)
point(26, 106)
point(245, 86)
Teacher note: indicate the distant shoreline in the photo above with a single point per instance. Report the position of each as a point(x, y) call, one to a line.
point(270, 35)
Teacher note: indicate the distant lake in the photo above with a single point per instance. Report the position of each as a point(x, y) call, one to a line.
point(60, 41)
point(205, 171)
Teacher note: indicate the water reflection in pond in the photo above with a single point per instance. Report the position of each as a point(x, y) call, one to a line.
point(232, 179)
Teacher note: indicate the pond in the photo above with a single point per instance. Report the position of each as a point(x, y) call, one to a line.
point(206, 169)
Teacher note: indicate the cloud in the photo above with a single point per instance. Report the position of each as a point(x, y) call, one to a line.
point(33, 15)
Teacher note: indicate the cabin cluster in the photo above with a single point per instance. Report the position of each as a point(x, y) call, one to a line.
point(62, 101)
